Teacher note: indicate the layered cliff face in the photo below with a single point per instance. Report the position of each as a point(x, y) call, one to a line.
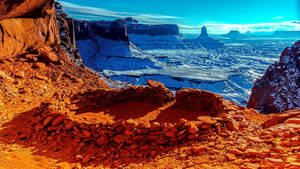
point(105, 45)
point(279, 89)
point(149, 37)
point(153, 30)
point(112, 30)
point(22, 33)
point(67, 34)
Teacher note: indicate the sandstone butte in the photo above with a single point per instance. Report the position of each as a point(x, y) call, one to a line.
point(54, 114)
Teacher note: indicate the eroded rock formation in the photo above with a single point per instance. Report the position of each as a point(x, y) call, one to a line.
point(279, 89)
point(18, 35)
point(67, 34)
point(207, 41)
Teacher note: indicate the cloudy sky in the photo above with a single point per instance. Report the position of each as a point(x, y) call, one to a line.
point(220, 16)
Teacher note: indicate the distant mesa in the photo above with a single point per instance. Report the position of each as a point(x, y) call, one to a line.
point(248, 33)
point(234, 34)
point(287, 34)
point(119, 29)
point(134, 27)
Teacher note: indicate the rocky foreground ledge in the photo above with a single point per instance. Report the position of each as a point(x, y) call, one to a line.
point(146, 127)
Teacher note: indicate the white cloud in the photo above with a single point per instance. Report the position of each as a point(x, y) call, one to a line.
point(260, 27)
point(92, 12)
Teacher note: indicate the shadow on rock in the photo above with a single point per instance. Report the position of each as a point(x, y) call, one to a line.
point(120, 143)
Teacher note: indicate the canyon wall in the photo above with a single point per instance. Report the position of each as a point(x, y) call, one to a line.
point(120, 29)
point(279, 89)
point(113, 30)
point(67, 34)
point(153, 30)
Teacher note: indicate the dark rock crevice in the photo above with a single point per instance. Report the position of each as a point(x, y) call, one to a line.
point(67, 34)
point(24, 8)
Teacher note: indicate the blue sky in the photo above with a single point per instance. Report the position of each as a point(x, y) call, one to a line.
point(220, 16)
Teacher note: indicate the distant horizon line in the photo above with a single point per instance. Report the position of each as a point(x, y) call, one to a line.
point(198, 28)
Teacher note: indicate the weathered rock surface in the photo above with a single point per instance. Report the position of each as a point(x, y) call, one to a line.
point(279, 89)
point(18, 35)
point(280, 118)
point(23, 8)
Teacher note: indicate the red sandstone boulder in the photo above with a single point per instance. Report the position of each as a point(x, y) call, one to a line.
point(279, 89)
point(46, 54)
point(280, 118)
